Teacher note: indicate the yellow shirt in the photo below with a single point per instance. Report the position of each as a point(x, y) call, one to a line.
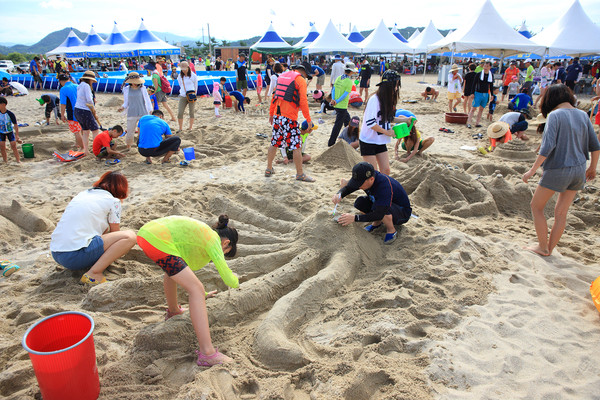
point(190, 239)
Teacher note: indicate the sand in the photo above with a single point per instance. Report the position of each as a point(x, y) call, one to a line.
point(455, 309)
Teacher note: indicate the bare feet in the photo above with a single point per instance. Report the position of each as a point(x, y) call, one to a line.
point(538, 250)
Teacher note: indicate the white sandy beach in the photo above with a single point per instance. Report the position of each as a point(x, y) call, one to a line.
point(454, 309)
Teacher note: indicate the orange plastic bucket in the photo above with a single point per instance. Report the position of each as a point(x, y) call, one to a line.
point(595, 291)
point(61, 349)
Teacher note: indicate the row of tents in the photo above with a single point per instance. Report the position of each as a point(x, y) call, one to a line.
point(573, 34)
point(486, 32)
point(142, 43)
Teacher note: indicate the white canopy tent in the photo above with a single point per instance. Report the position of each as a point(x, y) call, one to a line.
point(572, 34)
point(419, 45)
point(331, 40)
point(487, 33)
point(414, 35)
point(382, 41)
point(429, 36)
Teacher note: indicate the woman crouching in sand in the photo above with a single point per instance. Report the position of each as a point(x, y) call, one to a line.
point(568, 139)
point(88, 234)
point(180, 246)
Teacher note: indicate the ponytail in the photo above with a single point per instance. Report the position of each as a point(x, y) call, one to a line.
point(226, 232)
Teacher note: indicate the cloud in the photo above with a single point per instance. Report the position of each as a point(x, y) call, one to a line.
point(56, 4)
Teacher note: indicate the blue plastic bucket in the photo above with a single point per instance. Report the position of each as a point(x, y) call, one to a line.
point(189, 153)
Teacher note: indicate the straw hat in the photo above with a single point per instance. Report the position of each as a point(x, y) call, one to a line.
point(454, 67)
point(540, 119)
point(134, 78)
point(497, 130)
point(89, 75)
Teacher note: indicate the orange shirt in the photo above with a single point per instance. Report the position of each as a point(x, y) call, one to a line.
point(509, 73)
point(507, 138)
point(289, 109)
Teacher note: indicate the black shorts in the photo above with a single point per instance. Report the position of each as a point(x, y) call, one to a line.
point(504, 89)
point(86, 119)
point(369, 149)
point(169, 144)
point(400, 215)
point(10, 136)
point(364, 83)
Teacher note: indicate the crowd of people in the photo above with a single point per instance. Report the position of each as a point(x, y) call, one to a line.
point(88, 236)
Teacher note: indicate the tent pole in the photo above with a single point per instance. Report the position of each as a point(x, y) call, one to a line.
point(424, 65)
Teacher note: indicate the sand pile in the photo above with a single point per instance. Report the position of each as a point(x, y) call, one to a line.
point(452, 310)
point(515, 150)
point(340, 155)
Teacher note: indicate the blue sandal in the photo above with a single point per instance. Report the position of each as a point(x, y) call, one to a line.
point(371, 228)
point(390, 238)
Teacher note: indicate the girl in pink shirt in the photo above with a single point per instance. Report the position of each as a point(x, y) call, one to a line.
point(259, 84)
point(218, 99)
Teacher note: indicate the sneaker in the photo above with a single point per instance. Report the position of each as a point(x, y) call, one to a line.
point(390, 238)
point(371, 228)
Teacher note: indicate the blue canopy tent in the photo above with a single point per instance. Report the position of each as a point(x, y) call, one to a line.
point(272, 43)
point(524, 31)
point(355, 36)
point(70, 44)
point(310, 37)
point(145, 43)
point(108, 48)
point(396, 33)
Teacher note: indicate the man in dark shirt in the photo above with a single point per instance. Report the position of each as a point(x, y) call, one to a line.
point(365, 79)
point(483, 83)
point(573, 72)
point(241, 81)
point(386, 203)
point(559, 73)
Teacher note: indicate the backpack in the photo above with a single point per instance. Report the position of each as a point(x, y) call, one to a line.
point(165, 86)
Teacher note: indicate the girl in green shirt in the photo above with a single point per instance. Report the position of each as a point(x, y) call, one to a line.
point(180, 246)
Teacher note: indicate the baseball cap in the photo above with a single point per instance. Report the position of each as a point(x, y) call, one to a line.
point(528, 60)
point(360, 173)
point(355, 121)
point(306, 67)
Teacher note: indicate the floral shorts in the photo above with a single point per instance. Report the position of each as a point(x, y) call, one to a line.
point(286, 133)
point(74, 126)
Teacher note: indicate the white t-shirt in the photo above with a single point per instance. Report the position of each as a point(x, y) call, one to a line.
point(337, 69)
point(371, 118)
point(84, 96)
point(454, 84)
point(86, 216)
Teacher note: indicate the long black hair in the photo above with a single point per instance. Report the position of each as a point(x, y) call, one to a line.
point(388, 93)
point(227, 232)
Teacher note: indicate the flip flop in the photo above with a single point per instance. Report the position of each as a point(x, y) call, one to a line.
point(304, 178)
point(91, 281)
point(184, 163)
point(269, 172)
point(8, 268)
point(112, 162)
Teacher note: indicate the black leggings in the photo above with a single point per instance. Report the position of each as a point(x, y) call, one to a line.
point(342, 117)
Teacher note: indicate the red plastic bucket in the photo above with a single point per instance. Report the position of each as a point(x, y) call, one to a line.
point(61, 349)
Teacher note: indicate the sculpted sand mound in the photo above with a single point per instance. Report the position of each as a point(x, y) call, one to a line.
point(340, 155)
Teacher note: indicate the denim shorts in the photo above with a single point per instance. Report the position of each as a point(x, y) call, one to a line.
point(480, 99)
point(83, 258)
point(561, 179)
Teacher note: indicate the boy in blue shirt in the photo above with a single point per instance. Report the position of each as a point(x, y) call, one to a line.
point(9, 130)
point(521, 102)
point(150, 141)
point(492, 106)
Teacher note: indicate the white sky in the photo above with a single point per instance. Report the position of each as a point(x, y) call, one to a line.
point(28, 21)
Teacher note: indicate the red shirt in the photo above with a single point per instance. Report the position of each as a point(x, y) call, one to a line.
point(509, 73)
point(102, 140)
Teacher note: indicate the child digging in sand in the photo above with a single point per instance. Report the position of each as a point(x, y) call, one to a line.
point(180, 246)
point(412, 144)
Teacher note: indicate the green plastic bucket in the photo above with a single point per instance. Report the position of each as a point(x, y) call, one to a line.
point(402, 130)
point(27, 150)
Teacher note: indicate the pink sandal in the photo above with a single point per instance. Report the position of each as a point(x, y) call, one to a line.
point(213, 359)
point(170, 314)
